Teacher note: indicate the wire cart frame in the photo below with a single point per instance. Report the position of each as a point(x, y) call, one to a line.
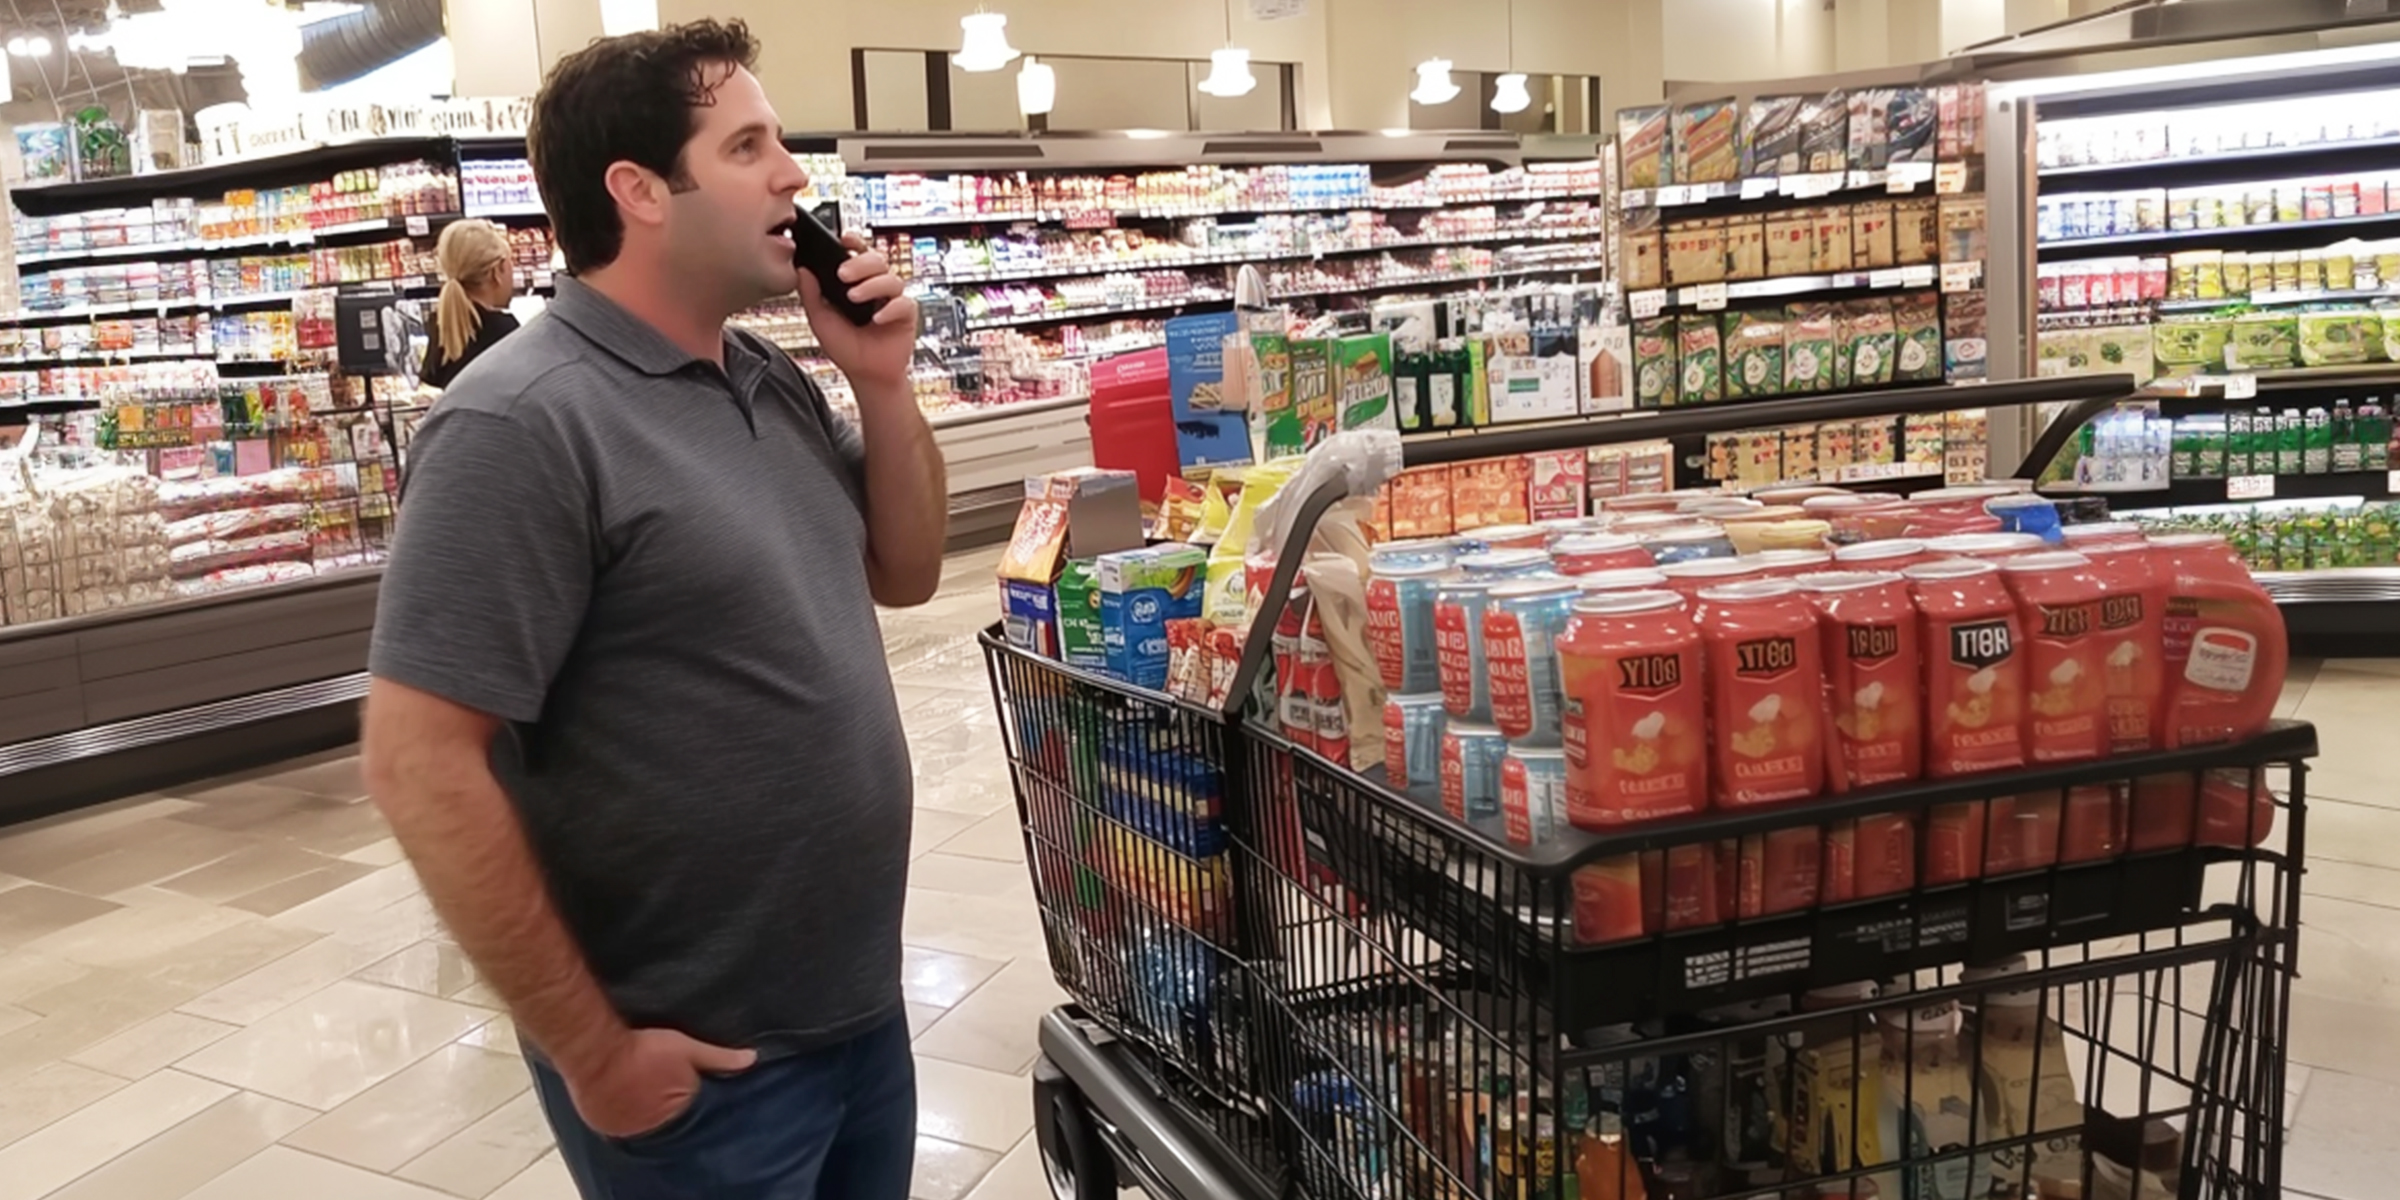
point(1291, 979)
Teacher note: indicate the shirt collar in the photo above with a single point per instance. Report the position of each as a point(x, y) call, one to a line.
point(640, 345)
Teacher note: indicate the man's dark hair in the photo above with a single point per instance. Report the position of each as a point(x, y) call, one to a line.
point(623, 99)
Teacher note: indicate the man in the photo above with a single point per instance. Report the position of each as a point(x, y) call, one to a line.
point(630, 715)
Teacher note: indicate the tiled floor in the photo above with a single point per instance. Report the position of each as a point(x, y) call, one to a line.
point(236, 990)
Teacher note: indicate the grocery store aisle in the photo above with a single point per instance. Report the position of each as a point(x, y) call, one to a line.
point(235, 990)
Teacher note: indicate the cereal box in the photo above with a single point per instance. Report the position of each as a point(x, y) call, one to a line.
point(1278, 418)
point(1206, 432)
point(1140, 591)
point(1313, 404)
point(1080, 643)
point(1362, 378)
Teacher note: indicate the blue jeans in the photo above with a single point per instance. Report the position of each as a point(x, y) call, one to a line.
point(836, 1124)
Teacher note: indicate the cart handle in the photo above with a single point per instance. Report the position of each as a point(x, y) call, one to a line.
point(2090, 394)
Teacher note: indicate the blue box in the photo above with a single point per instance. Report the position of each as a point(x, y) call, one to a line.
point(1029, 617)
point(1140, 591)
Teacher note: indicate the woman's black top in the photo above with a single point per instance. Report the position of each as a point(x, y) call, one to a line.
point(438, 372)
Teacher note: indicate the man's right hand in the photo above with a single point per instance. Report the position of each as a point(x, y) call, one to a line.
point(647, 1080)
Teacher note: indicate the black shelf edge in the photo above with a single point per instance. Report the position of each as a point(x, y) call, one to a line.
point(1005, 219)
point(264, 171)
point(2202, 161)
point(2282, 379)
point(1643, 425)
point(2189, 493)
point(264, 246)
point(2075, 247)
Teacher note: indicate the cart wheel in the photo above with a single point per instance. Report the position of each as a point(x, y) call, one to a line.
point(1075, 1159)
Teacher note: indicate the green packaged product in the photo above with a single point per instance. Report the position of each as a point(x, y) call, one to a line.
point(1654, 370)
point(2344, 335)
point(1701, 365)
point(1870, 342)
point(2373, 429)
point(1311, 366)
point(1917, 336)
point(1079, 640)
point(2191, 342)
point(2240, 443)
point(2263, 341)
point(1754, 351)
point(2130, 349)
point(1362, 380)
point(1278, 418)
point(1811, 337)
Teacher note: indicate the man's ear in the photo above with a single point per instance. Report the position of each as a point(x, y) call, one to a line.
point(639, 192)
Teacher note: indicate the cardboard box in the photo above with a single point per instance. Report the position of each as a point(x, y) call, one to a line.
point(1140, 591)
point(1745, 248)
point(1312, 389)
point(1207, 434)
point(1362, 378)
point(1420, 503)
point(1642, 250)
point(1558, 481)
point(1080, 643)
point(1029, 617)
point(1079, 513)
point(1491, 491)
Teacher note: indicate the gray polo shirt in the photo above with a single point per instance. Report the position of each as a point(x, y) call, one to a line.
point(655, 571)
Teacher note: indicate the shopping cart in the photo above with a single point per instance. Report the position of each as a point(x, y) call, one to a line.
point(1290, 979)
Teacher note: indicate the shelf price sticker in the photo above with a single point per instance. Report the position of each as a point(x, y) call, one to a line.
point(1916, 276)
point(1961, 276)
point(1886, 277)
point(1708, 297)
point(418, 226)
point(2250, 487)
point(2391, 482)
point(2241, 385)
point(1645, 305)
point(1904, 177)
point(1753, 189)
point(1950, 178)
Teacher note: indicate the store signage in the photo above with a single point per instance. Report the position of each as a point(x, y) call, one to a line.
point(1708, 297)
point(2250, 487)
point(2241, 385)
point(1645, 305)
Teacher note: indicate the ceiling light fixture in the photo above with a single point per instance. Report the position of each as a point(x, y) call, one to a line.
point(1037, 88)
point(1229, 68)
point(1434, 85)
point(985, 47)
point(1508, 91)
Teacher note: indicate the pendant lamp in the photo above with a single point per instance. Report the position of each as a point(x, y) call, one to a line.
point(985, 47)
point(1037, 88)
point(1229, 68)
point(1434, 85)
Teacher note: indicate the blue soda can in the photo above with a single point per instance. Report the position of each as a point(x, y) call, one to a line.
point(1471, 757)
point(1400, 594)
point(1412, 740)
point(1521, 623)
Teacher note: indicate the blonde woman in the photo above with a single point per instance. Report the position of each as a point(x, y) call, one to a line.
point(471, 316)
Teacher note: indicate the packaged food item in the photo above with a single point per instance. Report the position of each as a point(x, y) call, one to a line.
point(1870, 343)
point(1586, 553)
point(1766, 681)
point(1825, 132)
point(2027, 1086)
point(1081, 640)
point(1745, 248)
point(1911, 126)
point(1975, 673)
point(1459, 650)
point(2066, 701)
point(1701, 377)
point(1965, 334)
point(1533, 794)
point(1634, 720)
point(2348, 335)
point(1791, 243)
point(1872, 244)
point(1400, 600)
point(2263, 341)
point(1656, 371)
point(1870, 129)
point(1917, 336)
point(1754, 349)
point(1471, 757)
point(1916, 231)
point(1696, 251)
point(1642, 251)
point(1140, 591)
point(2226, 656)
point(2132, 612)
point(1642, 147)
point(1706, 149)
point(1868, 639)
point(1966, 236)
point(2188, 345)
point(1771, 137)
point(1811, 336)
point(1837, 1080)
point(1362, 376)
point(1832, 247)
point(1412, 739)
point(1928, 1096)
point(1521, 624)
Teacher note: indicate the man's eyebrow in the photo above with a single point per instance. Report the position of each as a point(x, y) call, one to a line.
point(754, 127)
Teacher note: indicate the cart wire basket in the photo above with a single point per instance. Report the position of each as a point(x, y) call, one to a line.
point(2065, 982)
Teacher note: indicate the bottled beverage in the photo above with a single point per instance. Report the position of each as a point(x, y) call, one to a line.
point(2374, 436)
point(2346, 456)
point(2316, 442)
point(2239, 442)
point(2288, 442)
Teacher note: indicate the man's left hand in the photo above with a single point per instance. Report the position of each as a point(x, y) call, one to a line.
point(877, 353)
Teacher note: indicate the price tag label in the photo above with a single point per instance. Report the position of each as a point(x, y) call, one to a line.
point(2241, 385)
point(1709, 297)
point(2391, 482)
point(418, 226)
point(1634, 198)
point(1950, 178)
point(1887, 277)
point(1645, 305)
point(1961, 276)
point(1678, 194)
point(1916, 276)
point(1752, 189)
point(1904, 177)
point(2250, 487)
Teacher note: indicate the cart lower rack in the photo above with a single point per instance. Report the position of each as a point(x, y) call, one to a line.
point(1304, 982)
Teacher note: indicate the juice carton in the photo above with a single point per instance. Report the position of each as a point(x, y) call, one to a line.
point(1078, 610)
point(1362, 379)
point(1313, 403)
point(1140, 591)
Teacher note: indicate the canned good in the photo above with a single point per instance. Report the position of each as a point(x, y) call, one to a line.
point(1562, 528)
point(1887, 554)
point(1458, 648)
point(1974, 670)
point(1630, 579)
point(1400, 624)
point(1521, 624)
point(1875, 685)
point(2059, 599)
point(1583, 554)
point(2103, 533)
point(1533, 794)
point(1784, 564)
point(1685, 579)
point(1634, 722)
point(1471, 757)
point(1989, 546)
point(1684, 545)
point(1412, 740)
point(1291, 692)
point(1511, 537)
point(1494, 565)
point(1766, 680)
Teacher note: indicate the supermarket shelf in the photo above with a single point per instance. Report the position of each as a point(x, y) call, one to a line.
point(2192, 493)
point(1054, 216)
point(2169, 237)
point(504, 212)
point(1097, 314)
point(2262, 154)
point(147, 307)
point(2212, 387)
point(2269, 299)
point(262, 170)
point(1920, 276)
point(1804, 186)
point(163, 251)
point(1347, 289)
point(1088, 270)
point(964, 417)
point(2374, 585)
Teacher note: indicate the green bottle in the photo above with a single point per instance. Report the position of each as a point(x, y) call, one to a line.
point(2238, 442)
point(2374, 436)
point(2345, 438)
point(2316, 442)
point(2288, 439)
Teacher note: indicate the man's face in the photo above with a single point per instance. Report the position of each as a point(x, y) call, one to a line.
point(727, 234)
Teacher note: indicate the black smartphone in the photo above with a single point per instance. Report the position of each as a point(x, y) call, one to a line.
point(817, 251)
